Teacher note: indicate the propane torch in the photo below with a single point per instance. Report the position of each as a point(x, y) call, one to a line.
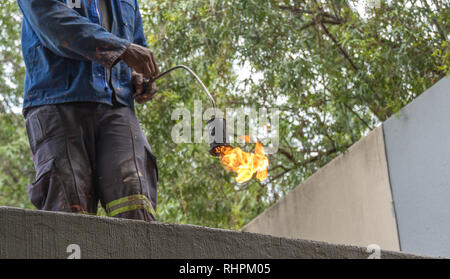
point(217, 128)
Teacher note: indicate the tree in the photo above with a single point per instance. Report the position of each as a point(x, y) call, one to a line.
point(16, 167)
point(335, 70)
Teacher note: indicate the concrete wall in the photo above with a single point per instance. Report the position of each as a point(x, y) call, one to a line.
point(40, 234)
point(418, 153)
point(348, 201)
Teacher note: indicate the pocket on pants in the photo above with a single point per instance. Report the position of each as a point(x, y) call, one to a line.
point(152, 177)
point(34, 131)
point(152, 161)
point(38, 190)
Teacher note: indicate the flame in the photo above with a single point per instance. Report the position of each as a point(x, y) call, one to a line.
point(245, 164)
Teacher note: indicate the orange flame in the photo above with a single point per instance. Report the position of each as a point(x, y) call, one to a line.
point(245, 164)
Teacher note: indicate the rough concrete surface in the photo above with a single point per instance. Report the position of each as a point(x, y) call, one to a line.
point(348, 201)
point(418, 154)
point(40, 234)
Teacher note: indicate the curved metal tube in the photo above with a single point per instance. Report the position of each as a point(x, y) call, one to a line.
point(196, 77)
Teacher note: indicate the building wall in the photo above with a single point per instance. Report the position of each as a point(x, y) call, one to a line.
point(418, 154)
point(406, 160)
point(348, 201)
point(26, 234)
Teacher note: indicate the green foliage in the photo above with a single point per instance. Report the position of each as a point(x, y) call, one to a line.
point(335, 73)
point(16, 167)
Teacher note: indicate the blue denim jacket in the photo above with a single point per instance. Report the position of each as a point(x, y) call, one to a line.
point(68, 53)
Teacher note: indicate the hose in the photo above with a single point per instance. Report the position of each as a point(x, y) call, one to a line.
point(196, 77)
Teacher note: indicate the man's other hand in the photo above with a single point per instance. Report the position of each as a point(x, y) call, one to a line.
point(141, 60)
point(141, 95)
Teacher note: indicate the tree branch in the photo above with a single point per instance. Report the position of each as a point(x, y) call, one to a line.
point(341, 49)
point(287, 155)
point(306, 162)
point(357, 115)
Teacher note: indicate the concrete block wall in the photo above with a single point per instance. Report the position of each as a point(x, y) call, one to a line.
point(27, 234)
point(392, 188)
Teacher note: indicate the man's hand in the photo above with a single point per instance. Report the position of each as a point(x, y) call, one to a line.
point(141, 60)
point(141, 96)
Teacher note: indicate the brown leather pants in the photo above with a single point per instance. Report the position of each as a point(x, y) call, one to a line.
point(86, 152)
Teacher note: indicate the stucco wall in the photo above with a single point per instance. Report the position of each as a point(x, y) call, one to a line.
point(391, 188)
point(418, 153)
point(40, 234)
point(348, 201)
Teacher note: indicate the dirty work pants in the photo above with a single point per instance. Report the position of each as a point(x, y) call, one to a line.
point(86, 152)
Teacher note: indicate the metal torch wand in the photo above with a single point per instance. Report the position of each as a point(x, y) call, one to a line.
point(148, 82)
point(218, 138)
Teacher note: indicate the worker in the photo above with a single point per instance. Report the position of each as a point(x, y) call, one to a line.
point(85, 60)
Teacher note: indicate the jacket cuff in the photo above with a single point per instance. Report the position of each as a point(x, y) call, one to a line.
point(114, 59)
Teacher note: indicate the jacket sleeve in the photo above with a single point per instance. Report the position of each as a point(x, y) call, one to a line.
point(139, 36)
point(65, 32)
